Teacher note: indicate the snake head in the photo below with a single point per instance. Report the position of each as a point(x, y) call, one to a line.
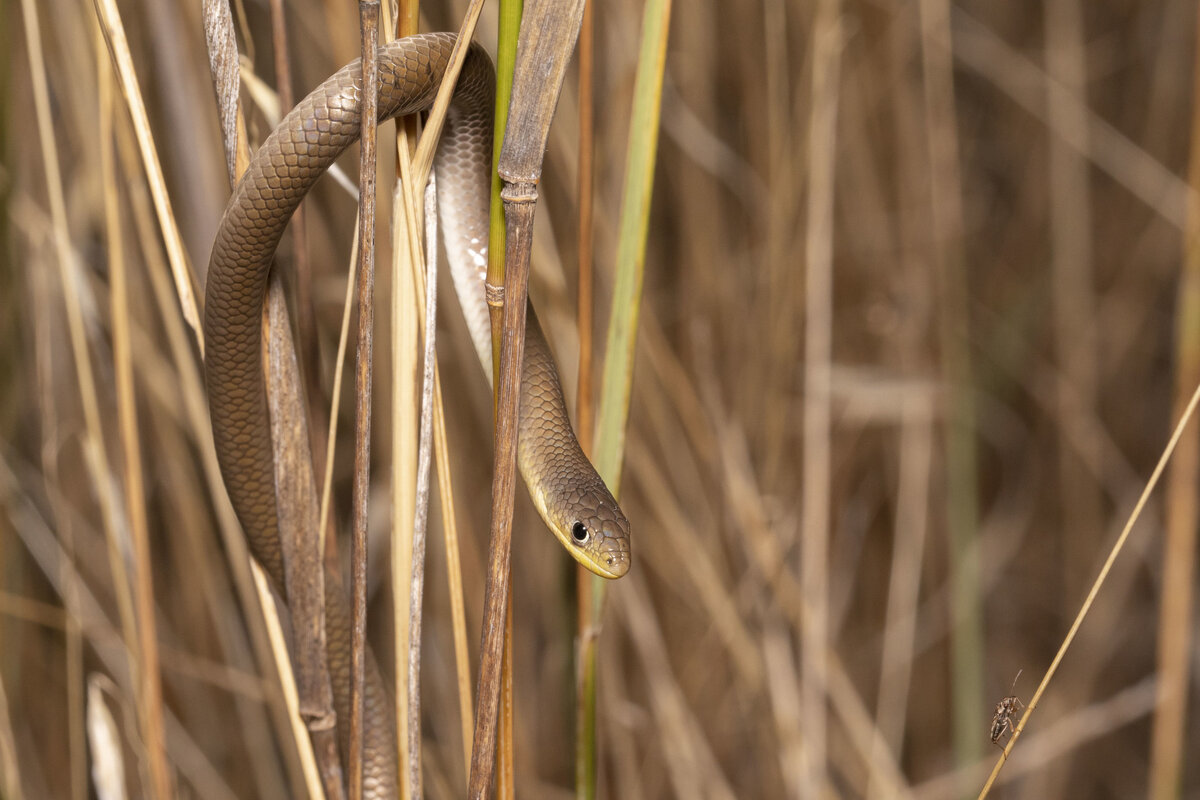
point(600, 539)
point(591, 526)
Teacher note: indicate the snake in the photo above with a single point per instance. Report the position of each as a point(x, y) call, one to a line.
point(569, 494)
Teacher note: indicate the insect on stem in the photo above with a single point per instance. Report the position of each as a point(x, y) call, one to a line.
point(1005, 710)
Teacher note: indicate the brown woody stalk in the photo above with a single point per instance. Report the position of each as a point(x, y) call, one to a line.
point(504, 465)
point(305, 315)
point(369, 23)
point(1179, 550)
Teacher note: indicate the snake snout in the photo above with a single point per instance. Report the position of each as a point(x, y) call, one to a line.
point(614, 549)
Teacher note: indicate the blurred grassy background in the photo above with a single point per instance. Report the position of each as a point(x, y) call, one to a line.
point(1006, 246)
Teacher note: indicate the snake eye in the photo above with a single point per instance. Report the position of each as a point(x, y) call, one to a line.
point(579, 533)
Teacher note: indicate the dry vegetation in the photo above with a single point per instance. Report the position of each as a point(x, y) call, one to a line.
point(970, 354)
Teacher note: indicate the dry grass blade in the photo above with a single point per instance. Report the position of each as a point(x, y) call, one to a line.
point(10, 772)
point(1099, 582)
point(223, 63)
point(151, 700)
point(407, 271)
point(962, 514)
point(315, 775)
point(185, 286)
point(108, 764)
point(818, 345)
point(423, 159)
point(420, 523)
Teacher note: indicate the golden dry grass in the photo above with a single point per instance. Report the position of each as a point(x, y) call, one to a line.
point(922, 462)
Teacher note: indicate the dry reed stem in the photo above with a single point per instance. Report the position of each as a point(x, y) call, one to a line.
point(10, 771)
point(818, 344)
point(1074, 303)
point(407, 261)
point(297, 451)
point(335, 392)
point(780, 209)
point(454, 581)
point(1176, 615)
point(915, 466)
point(496, 594)
point(185, 279)
point(127, 421)
point(314, 773)
point(1095, 589)
point(405, 404)
point(108, 766)
point(368, 32)
point(782, 681)
point(420, 523)
point(309, 354)
point(946, 217)
point(299, 538)
point(426, 147)
point(506, 783)
point(407, 266)
point(508, 42)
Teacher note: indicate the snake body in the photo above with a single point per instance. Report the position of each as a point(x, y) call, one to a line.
point(568, 493)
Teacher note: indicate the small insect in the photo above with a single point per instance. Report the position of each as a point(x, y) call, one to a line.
point(1005, 709)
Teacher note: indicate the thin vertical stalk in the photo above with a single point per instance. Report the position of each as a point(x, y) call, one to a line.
point(585, 408)
point(1074, 304)
point(617, 381)
point(406, 290)
point(818, 345)
point(421, 509)
point(496, 599)
point(185, 278)
point(485, 735)
point(406, 277)
point(127, 421)
point(961, 470)
point(506, 58)
point(917, 425)
point(1183, 483)
point(369, 22)
point(506, 785)
point(454, 579)
point(309, 353)
point(585, 669)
